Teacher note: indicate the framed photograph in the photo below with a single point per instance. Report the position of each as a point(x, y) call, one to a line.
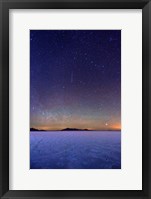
point(75, 99)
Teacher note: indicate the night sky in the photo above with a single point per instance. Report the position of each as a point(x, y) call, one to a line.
point(75, 79)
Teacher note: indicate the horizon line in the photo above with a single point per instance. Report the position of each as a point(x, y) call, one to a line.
point(75, 129)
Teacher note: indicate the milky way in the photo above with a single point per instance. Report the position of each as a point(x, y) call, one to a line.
point(75, 79)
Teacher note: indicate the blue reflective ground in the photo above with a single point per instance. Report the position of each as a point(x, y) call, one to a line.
point(75, 150)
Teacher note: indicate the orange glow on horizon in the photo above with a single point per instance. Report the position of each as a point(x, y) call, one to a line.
point(116, 127)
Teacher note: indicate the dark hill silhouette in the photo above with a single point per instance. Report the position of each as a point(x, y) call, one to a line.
point(74, 129)
point(33, 129)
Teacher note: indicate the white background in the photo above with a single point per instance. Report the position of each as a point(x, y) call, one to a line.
point(127, 178)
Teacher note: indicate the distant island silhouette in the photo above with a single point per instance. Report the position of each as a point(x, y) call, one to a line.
point(33, 129)
point(74, 129)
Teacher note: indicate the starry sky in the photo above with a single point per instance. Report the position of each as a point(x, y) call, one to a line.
point(75, 79)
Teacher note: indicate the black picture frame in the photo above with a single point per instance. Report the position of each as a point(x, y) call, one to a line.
point(5, 5)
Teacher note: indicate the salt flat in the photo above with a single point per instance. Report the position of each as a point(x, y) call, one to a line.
point(75, 150)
